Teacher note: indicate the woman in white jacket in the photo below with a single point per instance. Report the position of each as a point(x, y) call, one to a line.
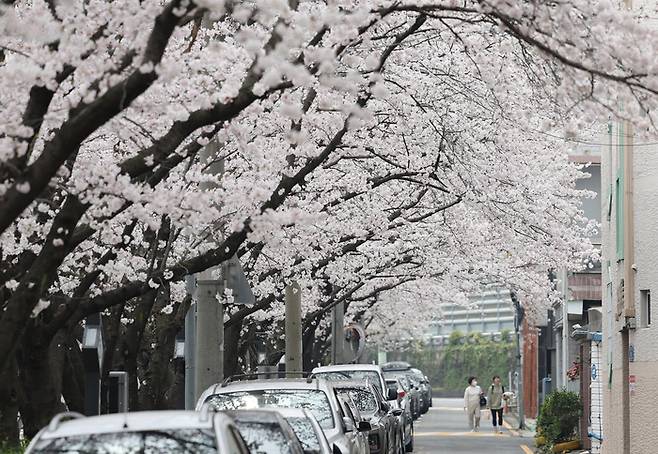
point(472, 403)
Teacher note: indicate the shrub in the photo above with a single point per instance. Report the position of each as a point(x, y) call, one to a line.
point(559, 416)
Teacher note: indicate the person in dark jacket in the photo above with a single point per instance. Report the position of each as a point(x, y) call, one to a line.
point(495, 398)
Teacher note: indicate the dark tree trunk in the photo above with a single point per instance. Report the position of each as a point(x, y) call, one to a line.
point(159, 372)
point(111, 335)
point(308, 340)
point(73, 388)
point(9, 402)
point(231, 349)
point(132, 344)
point(41, 370)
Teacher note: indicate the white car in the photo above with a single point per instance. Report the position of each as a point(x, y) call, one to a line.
point(355, 372)
point(164, 432)
point(307, 429)
point(313, 394)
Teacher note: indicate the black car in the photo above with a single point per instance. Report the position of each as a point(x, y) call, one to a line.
point(425, 389)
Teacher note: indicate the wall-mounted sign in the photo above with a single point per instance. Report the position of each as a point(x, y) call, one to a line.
point(631, 353)
point(595, 372)
point(631, 384)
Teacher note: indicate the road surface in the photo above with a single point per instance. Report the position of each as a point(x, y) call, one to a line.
point(444, 430)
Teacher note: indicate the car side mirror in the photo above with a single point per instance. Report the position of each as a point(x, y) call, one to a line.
point(349, 424)
point(396, 411)
point(364, 426)
point(392, 394)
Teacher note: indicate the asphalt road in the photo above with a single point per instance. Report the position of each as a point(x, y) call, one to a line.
point(444, 430)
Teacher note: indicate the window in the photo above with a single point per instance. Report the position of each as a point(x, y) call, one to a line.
point(645, 309)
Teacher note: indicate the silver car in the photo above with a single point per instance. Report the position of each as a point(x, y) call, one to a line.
point(354, 372)
point(307, 429)
point(166, 432)
point(315, 395)
point(266, 432)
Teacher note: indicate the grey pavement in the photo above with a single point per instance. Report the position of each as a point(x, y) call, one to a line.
point(444, 429)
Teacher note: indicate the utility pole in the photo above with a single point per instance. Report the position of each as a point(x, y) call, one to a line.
point(518, 318)
point(209, 351)
point(190, 347)
point(337, 333)
point(293, 327)
point(209, 321)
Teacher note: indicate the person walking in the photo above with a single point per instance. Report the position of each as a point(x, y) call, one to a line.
point(495, 398)
point(472, 396)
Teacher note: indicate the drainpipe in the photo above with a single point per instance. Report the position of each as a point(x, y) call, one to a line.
point(629, 282)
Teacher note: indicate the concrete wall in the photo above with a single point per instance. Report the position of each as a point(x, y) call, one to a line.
point(643, 435)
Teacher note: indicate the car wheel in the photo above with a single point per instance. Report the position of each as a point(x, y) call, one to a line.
point(409, 447)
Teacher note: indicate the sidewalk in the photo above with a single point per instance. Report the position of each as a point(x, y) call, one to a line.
point(512, 424)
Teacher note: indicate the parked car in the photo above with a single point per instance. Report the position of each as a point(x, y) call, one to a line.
point(307, 429)
point(266, 432)
point(402, 371)
point(425, 389)
point(165, 432)
point(312, 394)
point(352, 417)
point(353, 372)
point(403, 403)
point(384, 437)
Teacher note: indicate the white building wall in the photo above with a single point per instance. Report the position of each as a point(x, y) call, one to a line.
point(644, 340)
point(596, 398)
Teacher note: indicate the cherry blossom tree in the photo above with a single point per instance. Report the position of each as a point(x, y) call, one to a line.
point(385, 154)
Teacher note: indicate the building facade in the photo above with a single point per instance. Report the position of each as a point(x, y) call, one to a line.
point(564, 359)
point(489, 312)
point(630, 261)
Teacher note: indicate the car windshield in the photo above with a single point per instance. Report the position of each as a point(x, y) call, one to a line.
point(315, 401)
point(363, 399)
point(353, 375)
point(144, 442)
point(264, 437)
point(303, 428)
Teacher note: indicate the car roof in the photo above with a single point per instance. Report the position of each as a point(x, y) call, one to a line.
point(341, 367)
point(318, 384)
point(254, 415)
point(396, 365)
point(131, 422)
point(279, 383)
point(351, 384)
